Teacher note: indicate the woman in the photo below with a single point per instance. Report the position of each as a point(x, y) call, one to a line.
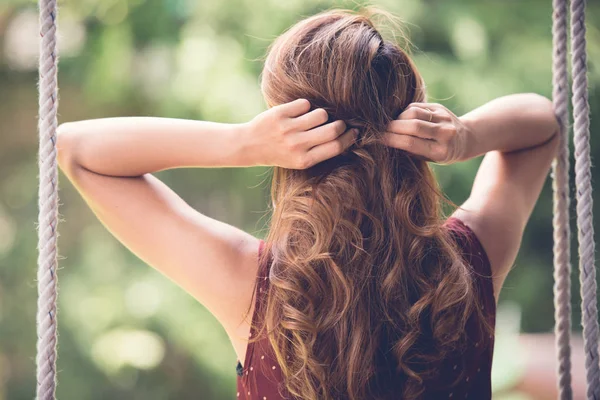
point(361, 290)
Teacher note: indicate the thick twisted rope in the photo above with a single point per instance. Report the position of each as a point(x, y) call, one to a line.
point(560, 186)
point(47, 203)
point(583, 182)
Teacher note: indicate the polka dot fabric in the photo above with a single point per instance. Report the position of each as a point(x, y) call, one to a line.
point(464, 376)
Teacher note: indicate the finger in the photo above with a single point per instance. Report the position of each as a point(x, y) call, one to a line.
point(413, 127)
point(424, 114)
point(411, 144)
point(332, 148)
point(431, 106)
point(295, 108)
point(311, 119)
point(323, 134)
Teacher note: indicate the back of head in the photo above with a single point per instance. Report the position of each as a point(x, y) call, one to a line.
point(361, 265)
point(340, 62)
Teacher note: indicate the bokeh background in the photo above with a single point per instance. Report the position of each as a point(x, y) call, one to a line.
point(126, 332)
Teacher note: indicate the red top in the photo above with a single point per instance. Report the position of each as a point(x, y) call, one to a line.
point(260, 378)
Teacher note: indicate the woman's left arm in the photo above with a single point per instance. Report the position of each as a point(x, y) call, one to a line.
point(133, 146)
point(110, 163)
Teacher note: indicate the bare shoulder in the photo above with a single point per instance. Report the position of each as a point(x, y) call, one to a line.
point(500, 241)
point(502, 199)
point(213, 261)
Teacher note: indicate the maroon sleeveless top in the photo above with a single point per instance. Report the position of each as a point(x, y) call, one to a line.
point(260, 377)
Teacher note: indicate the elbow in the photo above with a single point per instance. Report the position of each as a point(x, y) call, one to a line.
point(554, 143)
point(543, 108)
point(551, 146)
point(66, 146)
point(540, 103)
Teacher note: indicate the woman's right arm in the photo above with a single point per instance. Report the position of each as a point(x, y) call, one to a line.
point(518, 135)
point(510, 123)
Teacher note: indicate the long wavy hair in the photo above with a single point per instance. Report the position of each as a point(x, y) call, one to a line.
point(368, 293)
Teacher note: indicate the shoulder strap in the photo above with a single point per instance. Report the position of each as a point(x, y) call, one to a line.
point(475, 256)
point(262, 284)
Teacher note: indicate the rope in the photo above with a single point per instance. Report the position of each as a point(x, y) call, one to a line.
point(583, 181)
point(47, 204)
point(560, 186)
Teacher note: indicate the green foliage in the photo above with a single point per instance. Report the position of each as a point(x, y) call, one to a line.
point(125, 331)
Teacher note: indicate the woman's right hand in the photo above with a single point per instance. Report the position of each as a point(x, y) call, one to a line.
point(431, 131)
point(291, 136)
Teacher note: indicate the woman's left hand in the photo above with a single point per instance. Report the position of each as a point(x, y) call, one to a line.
point(292, 136)
point(431, 131)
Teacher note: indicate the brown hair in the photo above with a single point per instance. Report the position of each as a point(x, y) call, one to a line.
point(364, 282)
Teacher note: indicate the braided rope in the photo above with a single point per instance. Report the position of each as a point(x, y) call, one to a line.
point(583, 181)
point(47, 203)
point(560, 186)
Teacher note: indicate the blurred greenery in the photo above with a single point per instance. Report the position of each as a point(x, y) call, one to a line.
point(125, 331)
